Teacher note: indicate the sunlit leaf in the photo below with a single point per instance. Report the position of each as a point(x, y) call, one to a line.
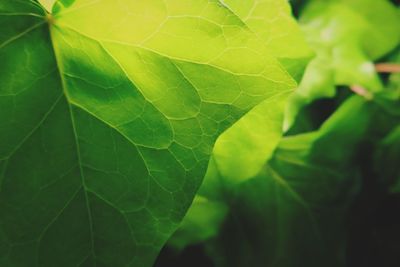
point(242, 150)
point(109, 111)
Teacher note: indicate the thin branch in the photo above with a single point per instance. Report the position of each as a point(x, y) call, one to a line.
point(359, 90)
point(387, 68)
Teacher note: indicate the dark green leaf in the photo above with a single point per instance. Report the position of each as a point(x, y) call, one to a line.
point(294, 212)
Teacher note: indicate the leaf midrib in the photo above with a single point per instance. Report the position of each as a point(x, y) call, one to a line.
point(78, 151)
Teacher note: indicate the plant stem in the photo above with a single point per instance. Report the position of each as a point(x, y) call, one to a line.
point(387, 68)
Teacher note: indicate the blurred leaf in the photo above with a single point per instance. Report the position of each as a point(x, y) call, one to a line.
point(347, 36)
point(241, 151)
point(48, 4)
point(387, 160)
point(394, 79)
point(202, 222)
point(293, 213)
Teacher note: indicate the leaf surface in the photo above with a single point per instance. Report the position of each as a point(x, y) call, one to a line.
point(109, 111)
point(281, 34)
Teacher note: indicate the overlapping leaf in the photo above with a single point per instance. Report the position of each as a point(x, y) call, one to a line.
point(242, 150)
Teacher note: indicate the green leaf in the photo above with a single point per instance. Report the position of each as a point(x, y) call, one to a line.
point(202, 222)
point(293, 213)
point(387, 120)
point(109, 112)
point(48, 4)
point(394, 79)
point(386, 158)
point(281, 34)
point(242, 150)
point(347, 36)
point(389, 98)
